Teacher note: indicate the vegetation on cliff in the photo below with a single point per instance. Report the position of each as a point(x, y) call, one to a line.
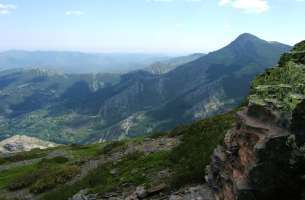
point(282, 86)
point(263, 155)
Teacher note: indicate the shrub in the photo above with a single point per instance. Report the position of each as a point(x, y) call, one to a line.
point(55, 160)
point(23, 181)
point(158, 135)
point(78, 146)
point(198, 143)
point(2, 160)
point(50, 178)
point(113, 146)
point(35, 153)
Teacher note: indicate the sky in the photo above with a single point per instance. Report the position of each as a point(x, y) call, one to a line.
point(146, 26)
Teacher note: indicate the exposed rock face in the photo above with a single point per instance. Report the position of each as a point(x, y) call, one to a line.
point(19, 143)
point(263, 155)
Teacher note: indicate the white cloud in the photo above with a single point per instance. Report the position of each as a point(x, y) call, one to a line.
point(247, 6)
point(74, 12)
point(6, 8)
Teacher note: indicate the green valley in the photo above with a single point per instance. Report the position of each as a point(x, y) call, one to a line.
point(85, 108)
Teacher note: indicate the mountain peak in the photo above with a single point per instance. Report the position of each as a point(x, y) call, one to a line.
point(247, 37)
point(247, 40)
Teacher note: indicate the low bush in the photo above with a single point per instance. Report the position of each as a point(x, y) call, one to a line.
point(199, 140)
point(113, 146)
point(35, 153)
point(55, 160)
point(23, 181)
point(45, 178)
point(50, 177)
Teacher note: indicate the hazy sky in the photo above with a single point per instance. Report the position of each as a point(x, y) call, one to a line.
point(173, 26)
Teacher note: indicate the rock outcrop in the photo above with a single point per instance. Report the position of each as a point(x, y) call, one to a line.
point(19, 143)
point(263, 155)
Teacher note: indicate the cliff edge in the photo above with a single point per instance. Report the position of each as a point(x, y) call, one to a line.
point(262, 157)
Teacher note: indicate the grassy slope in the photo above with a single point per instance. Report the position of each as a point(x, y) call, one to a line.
point(186, 163)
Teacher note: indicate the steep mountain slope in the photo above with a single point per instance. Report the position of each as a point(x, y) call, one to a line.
point(26, 98)
point(263, 155)
point(214, 83)
point(138, 102)
point(77, 62)
point(162, 67)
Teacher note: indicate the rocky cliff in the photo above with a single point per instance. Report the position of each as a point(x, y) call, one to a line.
point(262, 157)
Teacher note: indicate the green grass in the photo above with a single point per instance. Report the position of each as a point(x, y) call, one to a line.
point(44, 176)
point(86, 151)
point(35, 153)
point(283, 86)
point(134, 169)
point(111, 147)
point(55, 160)
point(186, 163)
point(51, 177)
point(8, 176)
point(198, 143)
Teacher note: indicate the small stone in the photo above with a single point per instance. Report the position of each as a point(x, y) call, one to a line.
point(81, 195)
point(141, 192)
point(175, 197)
point(133, 196)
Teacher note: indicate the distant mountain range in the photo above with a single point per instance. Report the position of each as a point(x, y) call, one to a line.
point(162, 67)
point(84, 108)
point(77, 62)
